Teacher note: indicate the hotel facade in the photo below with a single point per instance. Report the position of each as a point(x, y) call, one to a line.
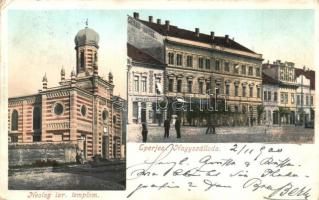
point(200, 66)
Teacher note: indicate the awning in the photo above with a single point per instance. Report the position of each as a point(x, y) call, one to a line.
point(180, 100)
point(159, 88)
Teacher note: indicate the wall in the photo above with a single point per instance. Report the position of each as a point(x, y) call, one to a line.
point(145, 39)
point(56, 127)
point(147, 97)
point(24, 106)
point(29, 153)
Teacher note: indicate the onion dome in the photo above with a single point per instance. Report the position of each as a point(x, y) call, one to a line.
point(87, 36)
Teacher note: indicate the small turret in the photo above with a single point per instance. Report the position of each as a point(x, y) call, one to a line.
point(62, 74)
point(45, 82)
point(110, 77)
point(73, 80)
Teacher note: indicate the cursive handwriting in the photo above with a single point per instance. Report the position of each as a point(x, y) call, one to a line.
point(287, 191)
point(277, 173)
point(210, 184)
point(256, 168)
point(162, 166)
point(158, 187)
point(277, 163)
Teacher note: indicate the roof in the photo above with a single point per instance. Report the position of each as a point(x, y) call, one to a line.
point(87, 36)
point(139, 56)
point(174, 31)
point(269, 80)
point(309, 74)
point(269, 65)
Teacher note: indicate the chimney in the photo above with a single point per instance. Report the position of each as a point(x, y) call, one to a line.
point(197, 32)
point(167, 25)
point(136, 15)
point(212, 35)
point(227, 38)
point(150, 19)
point(158, 21)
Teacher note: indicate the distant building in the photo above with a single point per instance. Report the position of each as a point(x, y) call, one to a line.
point(80, 110)
point(305, 95)
point(287, 93)
point(270, 89)
point(201, 66)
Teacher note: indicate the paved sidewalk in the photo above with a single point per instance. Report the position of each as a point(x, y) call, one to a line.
point(190, 134)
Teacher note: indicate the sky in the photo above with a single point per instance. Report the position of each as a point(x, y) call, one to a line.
point(42, 41)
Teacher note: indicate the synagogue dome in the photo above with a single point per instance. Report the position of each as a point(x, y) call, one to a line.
point(87, 36)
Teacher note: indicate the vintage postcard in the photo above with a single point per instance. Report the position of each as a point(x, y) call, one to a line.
point(66, 116)
point(159, 100)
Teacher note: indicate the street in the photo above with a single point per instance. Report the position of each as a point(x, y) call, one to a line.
point(105, 175)
point(190, 134)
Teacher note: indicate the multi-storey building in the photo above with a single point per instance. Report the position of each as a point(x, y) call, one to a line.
point(199, 65)
point(305, 94)
point(81, 110)
point(145, 86)
point(270, 87)
point(287, 93)
point(284, 78)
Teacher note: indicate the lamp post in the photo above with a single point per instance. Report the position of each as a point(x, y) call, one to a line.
point(211, 127)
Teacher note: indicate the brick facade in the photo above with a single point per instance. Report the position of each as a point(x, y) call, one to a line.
point(73, 111)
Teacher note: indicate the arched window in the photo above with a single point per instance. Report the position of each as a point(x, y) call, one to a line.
point(105, 116)
point(95, 57)
point(114, 119)
point(14, 120)
point(83, 110)
point(36, 118)
point(82, 60)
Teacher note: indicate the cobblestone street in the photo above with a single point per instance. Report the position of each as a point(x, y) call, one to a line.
point(277, 134)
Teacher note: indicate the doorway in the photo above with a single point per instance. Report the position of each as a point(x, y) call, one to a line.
point(105, 147)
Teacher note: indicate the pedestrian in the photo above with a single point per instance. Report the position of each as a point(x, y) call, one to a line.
point(167, 127)
point(210, 127)
point(81, 157)
point(178, 127)
point(159, 117)
point(144, 132)
point(77, 157)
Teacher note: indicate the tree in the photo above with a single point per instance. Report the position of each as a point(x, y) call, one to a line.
point(260, 111)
